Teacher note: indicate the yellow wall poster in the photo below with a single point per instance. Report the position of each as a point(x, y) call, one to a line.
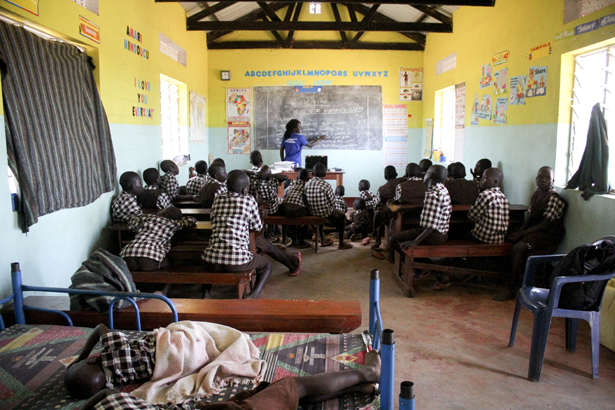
point(540, 51)
point(238, 112)
point(89, 30)
point(197, 117)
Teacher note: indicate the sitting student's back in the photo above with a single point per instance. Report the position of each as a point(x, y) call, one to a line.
point(461, 190)
point(125, 206)
point(491, 210)
point(412, 190)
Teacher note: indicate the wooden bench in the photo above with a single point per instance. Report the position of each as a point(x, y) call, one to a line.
point(193, 274)
point(310, 220)
point(451, 249)
point(201, 214)
point(260, 315)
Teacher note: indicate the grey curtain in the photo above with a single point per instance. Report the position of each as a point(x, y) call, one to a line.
point(57, 134)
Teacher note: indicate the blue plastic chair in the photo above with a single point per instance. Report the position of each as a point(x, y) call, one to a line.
point(543, 305)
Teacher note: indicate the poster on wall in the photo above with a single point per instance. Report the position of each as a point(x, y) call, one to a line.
point(484, 108)
point(410, 84)
point(395, 120)
point(460, 121)
point(517, 90)
point(485, 76)
point(575, 9)
point(31, 6)
point(499, 111)
point(475, 107)
point(537, 82)
point(197, 117)
point(238, 112)
point(500, 82)
point(91, 5)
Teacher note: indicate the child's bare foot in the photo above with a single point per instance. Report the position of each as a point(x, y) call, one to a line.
point(344, 245)
point(372, 366)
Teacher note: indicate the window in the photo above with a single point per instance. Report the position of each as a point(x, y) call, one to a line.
point(444, 129)
point(594, 82)
point(173, 139)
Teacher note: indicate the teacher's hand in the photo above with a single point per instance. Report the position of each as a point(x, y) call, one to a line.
point(322, 137)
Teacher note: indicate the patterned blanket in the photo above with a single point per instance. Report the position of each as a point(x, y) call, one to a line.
point(33, 359)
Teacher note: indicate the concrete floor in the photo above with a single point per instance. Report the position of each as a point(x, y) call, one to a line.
point(453, 344)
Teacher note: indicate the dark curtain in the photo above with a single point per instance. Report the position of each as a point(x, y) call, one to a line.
point(57, 134)
point(592, 177)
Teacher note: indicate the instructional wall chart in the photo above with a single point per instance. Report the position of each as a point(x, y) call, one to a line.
point(395, 135)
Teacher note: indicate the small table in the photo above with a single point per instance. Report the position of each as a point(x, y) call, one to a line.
point(337, 176)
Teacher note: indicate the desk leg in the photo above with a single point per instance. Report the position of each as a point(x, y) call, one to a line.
point(339, 179)
point(318, 228)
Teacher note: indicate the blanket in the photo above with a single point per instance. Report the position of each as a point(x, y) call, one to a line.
point(197, 359)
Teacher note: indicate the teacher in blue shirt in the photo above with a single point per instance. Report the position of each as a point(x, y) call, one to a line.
point(293, 142)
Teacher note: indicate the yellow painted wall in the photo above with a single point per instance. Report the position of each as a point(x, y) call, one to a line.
point(241, 61)
point(516, 26)
point(117, 67)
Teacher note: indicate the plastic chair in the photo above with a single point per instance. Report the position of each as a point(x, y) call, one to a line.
point(543, 305)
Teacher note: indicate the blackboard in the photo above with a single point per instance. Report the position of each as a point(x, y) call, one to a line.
point(350, 116)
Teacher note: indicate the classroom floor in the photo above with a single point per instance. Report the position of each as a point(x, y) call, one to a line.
point(453, 344)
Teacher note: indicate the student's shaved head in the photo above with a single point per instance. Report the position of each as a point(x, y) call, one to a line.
point(319, 170)
point(201, 167)
point(458, 170)
point(413, 170)
point(150, 176)
point(390, 172)
point(256, 158)
point(128, 179)
point(303, 174)
point(237, 181)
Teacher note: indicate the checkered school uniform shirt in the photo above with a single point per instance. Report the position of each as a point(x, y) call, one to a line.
point(437, 208)
point(168, 183)
point(232, 218)
point(340, 204)
point(320, 197)
point(150, 187)
point(124, 207)
point(126, 362)
point(126, 401)
point(398, 187)
point(295, 194)
point(153, 236)
point(370, 199)
point(554, 209)
point(163, 201)
point(265, 190)
point(194, 185)
point(491, 213)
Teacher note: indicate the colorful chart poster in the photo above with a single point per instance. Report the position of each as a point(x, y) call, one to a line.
point(395, 135)
point(410, 84)
point(30, 6)
point(475, 107)
point(460, 105)
point(517, 90)
point(197, 117)
point(486, 77)
point(238, 112)
point(540, 51)
point(537, 82)
point(484, 108)
point(500, 82)
point(89, 30)
point(499, 112)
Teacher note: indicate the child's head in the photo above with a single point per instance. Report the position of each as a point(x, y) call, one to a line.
point(169, 166)
point(201, 167)
point(436, 174)
point(303, 175)
point(425, 164)
point(219, 161)
point(413, 170)
point(85, 378)
point(319, 170)
point(364, 185)
point(545, 178)
point(390, 172)
point(359, 204)
point(238, 182)
point(218, 171)
point(492, 177)
point(256, 158)
point(150, 176)
point(171, 212)
point(480, 167)
point(340, 190)
point(457, 170)
point(131, 183)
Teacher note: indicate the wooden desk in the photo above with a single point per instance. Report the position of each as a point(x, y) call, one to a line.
point(337, 176)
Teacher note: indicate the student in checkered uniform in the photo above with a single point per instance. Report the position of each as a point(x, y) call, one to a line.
point(215, 186)
point(125, 206)
point(382, 213)
point(433, 223)
point(194, 184)
point(541, 233)
point(491, 210)
point(321, 201)
point(340, 202)
point(461, 190)
point(234, 214)
point(168, 182)
point(152, 197)
point(286, 393)
point(361, 223)
point(479, 168)
point(411, 191)
point(367, 195)
point(148, 251)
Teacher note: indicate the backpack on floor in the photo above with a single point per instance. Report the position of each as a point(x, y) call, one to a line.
point(589, 259)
